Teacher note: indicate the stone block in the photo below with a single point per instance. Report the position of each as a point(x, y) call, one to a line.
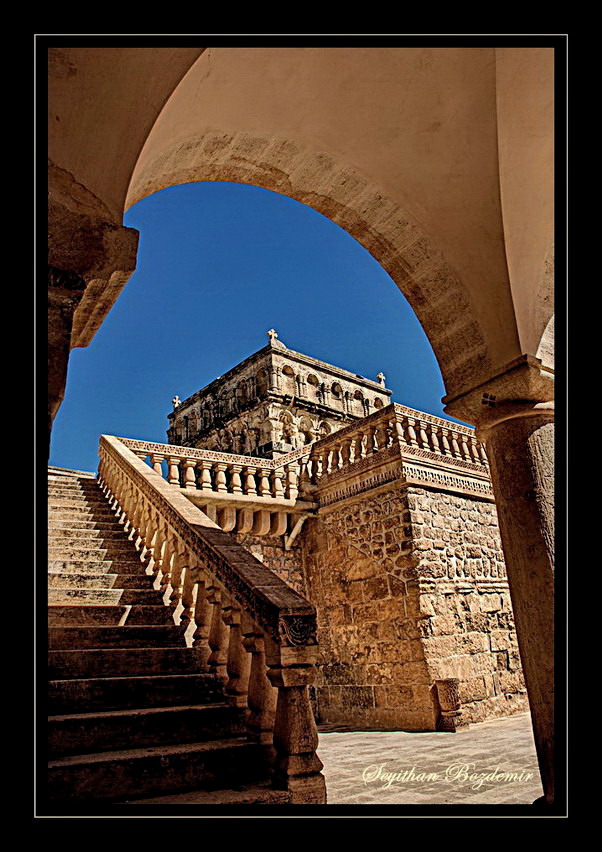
point(393, 696)
point(474, 689)
point(338, 674)
point(491, 603)
point(357, 696)
point(509, 681)
point(444, 624)
point(500, 640)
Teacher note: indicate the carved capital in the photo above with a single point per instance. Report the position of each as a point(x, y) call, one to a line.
point(515, 390)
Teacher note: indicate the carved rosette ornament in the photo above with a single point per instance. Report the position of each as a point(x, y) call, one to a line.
point(299, 629)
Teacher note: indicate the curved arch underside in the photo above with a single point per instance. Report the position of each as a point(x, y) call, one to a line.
point(340, 193)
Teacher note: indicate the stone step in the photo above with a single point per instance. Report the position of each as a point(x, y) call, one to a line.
point(68, 488)
point(105, 597)
point(248, 794)
point(122, 662)
point(159, 636)
point(163, 769)
point(54, 470)
point(97, 580)
point(103, 511)
point(131, 566)
point(89, 554)
point(92, 534)
point(83, 695)
point(76, 524)
point(68, 616)
point(86, 733)
point(109, 614)
point(74, 501)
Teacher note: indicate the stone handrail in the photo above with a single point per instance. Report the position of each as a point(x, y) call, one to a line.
point(250, 628)
point(218, 473)
point(411, 432)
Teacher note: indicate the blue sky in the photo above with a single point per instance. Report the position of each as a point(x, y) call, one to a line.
point(218, 265)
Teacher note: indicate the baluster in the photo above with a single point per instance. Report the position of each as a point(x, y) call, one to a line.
point(220, 477)
point(262, 696)
point(483, 454)
point(411, 422)
point(292, 481)
point(177, 571)
point(445, 442)
point(346, 451)
point(434, 439)
point(278, 489)
point(250, 484)
point(382, 437)
point(360, 446)
point(173, 476)
point(398, 434)
point(372, 446)
point(156, 559)
point(187, 613)
point(189, 475)
point(202, 619)
point(264, 482)
point(305, 477)
point(205, 479)
point(455, 447)
point(156, 460)
point(335, 461)
point(218, 634)
point(316, 468)
point(166, 562)
point(465, 450)
point(474, 449)
point(142, 530)
point(235, 481)
point(239, 662)
point(424, 440)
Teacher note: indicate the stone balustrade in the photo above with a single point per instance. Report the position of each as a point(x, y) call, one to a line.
point(216, 474)
point(251, 629)
point(404, 432)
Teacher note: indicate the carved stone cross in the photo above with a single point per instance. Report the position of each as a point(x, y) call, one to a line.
point(175, 401)
point(272, 334)
point(381, 379)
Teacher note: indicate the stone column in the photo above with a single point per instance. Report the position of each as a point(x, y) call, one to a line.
point(521, 454)
point(513, 413)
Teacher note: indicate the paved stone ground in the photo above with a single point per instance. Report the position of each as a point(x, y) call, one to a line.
point(385, 768)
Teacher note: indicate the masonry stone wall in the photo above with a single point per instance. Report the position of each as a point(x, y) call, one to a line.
point(287, 564)
point(468, 626)
point(410, 587)
point(360, 576)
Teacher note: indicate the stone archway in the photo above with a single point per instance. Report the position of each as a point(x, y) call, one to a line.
point(340, 193)
point(468, 309)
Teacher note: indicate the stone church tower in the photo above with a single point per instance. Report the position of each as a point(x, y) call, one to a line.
point(273, 402)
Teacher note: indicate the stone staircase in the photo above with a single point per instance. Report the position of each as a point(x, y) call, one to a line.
point(133, 717)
